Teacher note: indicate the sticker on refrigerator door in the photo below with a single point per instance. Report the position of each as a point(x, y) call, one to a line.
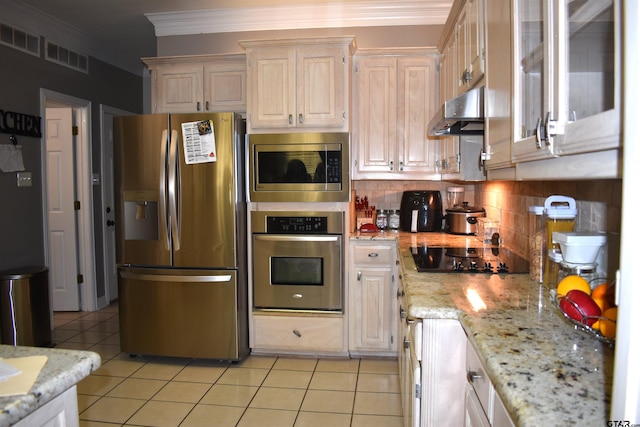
point(199, 142)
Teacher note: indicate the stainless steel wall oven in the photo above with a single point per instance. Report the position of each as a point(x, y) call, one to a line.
point(297, 260)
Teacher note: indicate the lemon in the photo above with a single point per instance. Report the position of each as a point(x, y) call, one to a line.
point(607, 324)
point(572, 282)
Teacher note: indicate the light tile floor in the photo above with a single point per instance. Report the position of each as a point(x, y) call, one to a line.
point(259, 391)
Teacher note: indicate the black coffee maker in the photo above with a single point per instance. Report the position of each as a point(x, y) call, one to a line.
point(421, 211)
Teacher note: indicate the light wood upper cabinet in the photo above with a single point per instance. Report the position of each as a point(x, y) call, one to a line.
point(395, 95)
point(183, 84)
point(470, 44)
point(299, 83)
point(567, 83)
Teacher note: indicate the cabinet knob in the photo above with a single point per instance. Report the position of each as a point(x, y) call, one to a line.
point(206, 105)
point(373, 255)
point(359, 276)
point(400, 293)
point(391, 165)
point(198, 106)
point(300, 119)
point(405, 343)
point(403, 313)
point(472, 376)
point(290, 119)
point(297, 333)
point(401, 166)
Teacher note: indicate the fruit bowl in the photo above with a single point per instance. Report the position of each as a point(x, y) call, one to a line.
point(583, 322)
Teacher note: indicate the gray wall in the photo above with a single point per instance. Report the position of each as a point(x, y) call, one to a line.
point(21, 78)
point(366, 38)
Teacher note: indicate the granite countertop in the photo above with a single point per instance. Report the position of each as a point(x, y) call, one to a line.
point(545, 371)
point(63, 369)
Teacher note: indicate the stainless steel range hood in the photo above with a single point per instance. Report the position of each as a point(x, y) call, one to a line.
point(463, 115)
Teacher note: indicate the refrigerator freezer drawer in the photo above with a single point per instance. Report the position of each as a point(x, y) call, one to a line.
point(181, 313)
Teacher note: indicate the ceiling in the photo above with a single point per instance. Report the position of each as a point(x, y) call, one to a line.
point(125, 25)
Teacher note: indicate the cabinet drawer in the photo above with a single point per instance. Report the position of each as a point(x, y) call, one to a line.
point(477, 377)
point(374, 255)
point(298, 333)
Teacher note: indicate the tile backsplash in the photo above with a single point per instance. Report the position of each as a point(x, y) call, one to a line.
point(388, 194)
point(598, 201)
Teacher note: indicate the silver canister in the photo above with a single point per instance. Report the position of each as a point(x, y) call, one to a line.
point(394, 219)
point(381, 219)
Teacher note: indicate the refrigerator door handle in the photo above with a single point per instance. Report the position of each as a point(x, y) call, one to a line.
point(163, 189)
point(175, 278)
point(174, 190)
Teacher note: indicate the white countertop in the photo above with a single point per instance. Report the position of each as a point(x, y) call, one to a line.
point(63, 369)
point(546, 372)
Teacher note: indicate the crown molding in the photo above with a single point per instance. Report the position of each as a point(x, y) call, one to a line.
point(320, 15)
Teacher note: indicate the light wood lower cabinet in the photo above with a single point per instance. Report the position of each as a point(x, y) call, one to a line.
point(483, 406)
point(61, 411)
point(298, 333)
point(372, 298)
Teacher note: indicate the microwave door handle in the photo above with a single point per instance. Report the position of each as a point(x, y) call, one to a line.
point(163, 189)
point(174, 190)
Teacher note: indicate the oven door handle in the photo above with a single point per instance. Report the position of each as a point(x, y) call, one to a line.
point(295, 238)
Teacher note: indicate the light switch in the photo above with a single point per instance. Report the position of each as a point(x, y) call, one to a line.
point(24, 179)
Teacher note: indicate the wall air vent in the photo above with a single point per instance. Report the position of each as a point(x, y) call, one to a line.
point(20, 40)
point(68, 58)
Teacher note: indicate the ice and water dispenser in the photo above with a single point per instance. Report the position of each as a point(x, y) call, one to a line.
point(140, 215)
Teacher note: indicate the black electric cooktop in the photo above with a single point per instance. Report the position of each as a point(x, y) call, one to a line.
point(437, 259)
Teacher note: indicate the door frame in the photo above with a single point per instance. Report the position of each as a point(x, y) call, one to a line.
point(111, 289)
point(84, 192)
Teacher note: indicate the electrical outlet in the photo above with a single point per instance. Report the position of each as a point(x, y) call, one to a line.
point(24, 179)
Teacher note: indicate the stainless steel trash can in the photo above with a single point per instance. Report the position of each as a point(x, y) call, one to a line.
point(25, 317)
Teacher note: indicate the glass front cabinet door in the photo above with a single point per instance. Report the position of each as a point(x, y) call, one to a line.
point(566, 77)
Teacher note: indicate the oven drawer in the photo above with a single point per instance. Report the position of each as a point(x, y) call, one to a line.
point(298, 333)
point(374, 255)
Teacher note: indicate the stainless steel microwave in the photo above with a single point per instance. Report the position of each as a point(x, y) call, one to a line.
point(299, 167)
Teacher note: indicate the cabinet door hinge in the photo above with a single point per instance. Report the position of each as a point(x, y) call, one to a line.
point(80, 279)
point(76, 205)
point(393, 278)
point(418, 391)
point(344, 60)
point(74, 130)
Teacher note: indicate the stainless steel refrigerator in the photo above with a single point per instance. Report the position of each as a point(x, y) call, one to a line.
point(181, 235)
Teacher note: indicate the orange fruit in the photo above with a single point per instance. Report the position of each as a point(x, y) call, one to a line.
point(600, 291)
point(602, 302)
point(607, 324)
point(572, 282)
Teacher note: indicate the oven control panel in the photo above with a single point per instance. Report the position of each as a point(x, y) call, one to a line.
point(297, 225)
point(297, 222)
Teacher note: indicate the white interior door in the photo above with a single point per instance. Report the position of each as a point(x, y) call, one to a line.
point(63, 263)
